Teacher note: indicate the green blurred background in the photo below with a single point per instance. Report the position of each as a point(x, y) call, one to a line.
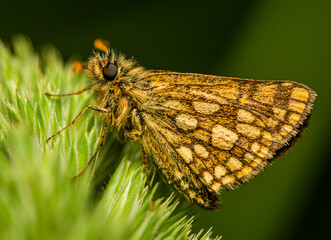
point(270, 39)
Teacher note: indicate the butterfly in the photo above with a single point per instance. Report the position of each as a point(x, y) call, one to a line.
point(204, 133)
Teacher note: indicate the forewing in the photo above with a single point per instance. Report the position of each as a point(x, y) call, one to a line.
point(218, 132)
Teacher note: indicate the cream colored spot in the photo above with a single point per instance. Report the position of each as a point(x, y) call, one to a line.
point(287, 84)
point(222, 101)
point(267, 138)
point(272, 122)
point(248, 130)
point(186, 122)
point(228, 179)
point(256, 162)
point(264, 151)
point(208, 177)
point(249, 157)
point(208, 96)
point(279, 113)
point(245, 172)
point(276, 137)
point(223, 138)
point(297, 106)
point(228, 92)
point(286, 129)
point(178, 174)
point(216, 187)
point(223, 144)
point(234, 164)
point(206, 108)
point(294, 118)
point(220, 171)
point(245, 100)
point(300, 94)
point(266, 93)
point(201, 151)
point(267, 135)
point(174, 104)
point(185, 153)
point(255, 147)
point(169, 135)
point(245, 116)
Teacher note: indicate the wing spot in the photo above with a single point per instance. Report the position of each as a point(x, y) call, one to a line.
point(216, 187)
point(228, 92)
point(266, 93)
point(276, 137)
point(294, 118)
point(286, 84)
point(245, 116)
point(255, 147)
point(228, 179)
point(272, 122)
point(209, 97)
point(223, 138)
point(186, 122)
point(205, 108)
point(279, 113)
point(300, 94)
point(185, 153)
point(234, 164)
point(245, 100)
point(297, 106)
point(249, 157)
point(220, 171)
point(264, 151)
point(208, 177)
point(201, 151)
point(286, 129)
point(256, 162)
point(266, 138)
point(248, 130)
point(245, 172)
point(169, 135)
point(174, 104)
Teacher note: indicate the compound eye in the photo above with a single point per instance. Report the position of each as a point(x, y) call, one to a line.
point(110, 71)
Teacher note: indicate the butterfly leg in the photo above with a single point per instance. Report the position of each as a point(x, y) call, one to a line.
point(77, 118)
point(104, 131)
point(69, 94)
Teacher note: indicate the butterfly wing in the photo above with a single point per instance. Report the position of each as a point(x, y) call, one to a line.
point(208, 133)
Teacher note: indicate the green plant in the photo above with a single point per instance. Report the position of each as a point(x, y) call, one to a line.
point(39, 199)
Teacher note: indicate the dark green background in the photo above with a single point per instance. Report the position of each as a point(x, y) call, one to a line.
point(271, 39)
